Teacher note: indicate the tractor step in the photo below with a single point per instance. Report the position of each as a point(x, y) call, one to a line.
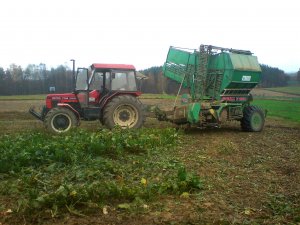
point(92, 113)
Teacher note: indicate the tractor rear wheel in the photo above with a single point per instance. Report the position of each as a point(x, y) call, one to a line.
point(60, 120)
point(253, 119)
point(124, 111)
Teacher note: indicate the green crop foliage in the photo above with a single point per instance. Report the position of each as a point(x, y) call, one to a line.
point(69, 171)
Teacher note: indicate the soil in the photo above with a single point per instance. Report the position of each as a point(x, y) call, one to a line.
point(249, 178)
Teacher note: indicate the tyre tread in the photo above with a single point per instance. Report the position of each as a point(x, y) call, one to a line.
point(247, 113)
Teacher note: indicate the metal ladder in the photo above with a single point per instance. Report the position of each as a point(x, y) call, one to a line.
point(201, 74)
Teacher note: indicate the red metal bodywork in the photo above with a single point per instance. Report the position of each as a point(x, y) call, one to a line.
point(60, 98)
point(94, 97)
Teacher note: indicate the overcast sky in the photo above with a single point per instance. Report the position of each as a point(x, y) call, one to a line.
point(140, 32)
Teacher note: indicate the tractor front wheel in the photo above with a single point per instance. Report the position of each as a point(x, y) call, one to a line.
point(60, 120)
point(253, 119)
point(124, 111)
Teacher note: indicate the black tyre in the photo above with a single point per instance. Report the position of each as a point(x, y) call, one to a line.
point(253, 119)
point(60, 120)
point(125, 111)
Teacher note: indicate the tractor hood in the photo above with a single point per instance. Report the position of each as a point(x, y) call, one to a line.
point(60, 98)
point(65, 96)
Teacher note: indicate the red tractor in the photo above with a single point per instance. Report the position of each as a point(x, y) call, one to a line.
point(107, 92)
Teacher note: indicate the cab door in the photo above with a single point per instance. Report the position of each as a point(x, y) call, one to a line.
point(96, 87)
point(82, 88)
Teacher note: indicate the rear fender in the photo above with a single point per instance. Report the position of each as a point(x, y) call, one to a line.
point(110, 96)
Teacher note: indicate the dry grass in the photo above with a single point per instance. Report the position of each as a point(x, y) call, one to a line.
point(270, 93)
point(19, 105)
point(247, 172)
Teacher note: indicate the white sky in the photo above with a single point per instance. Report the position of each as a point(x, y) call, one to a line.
point(140, 32)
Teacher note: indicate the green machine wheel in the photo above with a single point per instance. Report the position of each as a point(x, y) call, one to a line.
point(253, 119)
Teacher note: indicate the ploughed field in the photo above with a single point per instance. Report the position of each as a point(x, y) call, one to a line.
point(159, 175)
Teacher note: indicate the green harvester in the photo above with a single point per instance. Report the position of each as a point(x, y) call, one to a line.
point(219, 81)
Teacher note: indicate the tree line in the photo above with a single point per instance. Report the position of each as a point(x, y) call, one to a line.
point(273, 77)
point(37, 79)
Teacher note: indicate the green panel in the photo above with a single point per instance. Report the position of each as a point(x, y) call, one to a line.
point(244, 62)
point(193, 112)
point(239, 71)
point(178, 56)
point(246, 76)
point(175, 77)
point(179, 65)
point(222, 62)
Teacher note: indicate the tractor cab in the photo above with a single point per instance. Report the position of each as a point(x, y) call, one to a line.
point(103, 80)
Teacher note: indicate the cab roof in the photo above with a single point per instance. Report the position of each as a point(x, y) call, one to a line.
point(112, 66)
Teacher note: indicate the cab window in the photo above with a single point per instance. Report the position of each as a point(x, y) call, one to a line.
point(123, 81)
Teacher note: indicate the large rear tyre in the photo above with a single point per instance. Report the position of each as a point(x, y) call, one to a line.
point(124, 111)
point(60, 120)
point(253, 119)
